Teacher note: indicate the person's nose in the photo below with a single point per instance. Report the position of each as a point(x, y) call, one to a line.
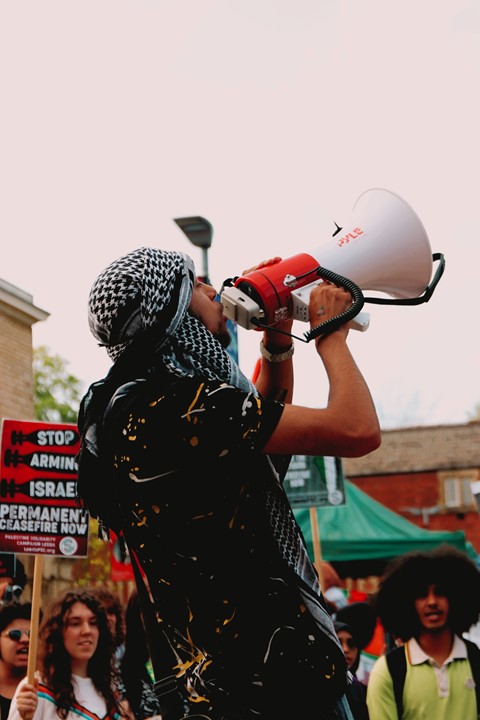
point(211, 292)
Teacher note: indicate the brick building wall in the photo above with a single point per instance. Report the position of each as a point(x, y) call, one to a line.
point(17, 315)
point(16, 385)
point(418, 498)
point(424, 474)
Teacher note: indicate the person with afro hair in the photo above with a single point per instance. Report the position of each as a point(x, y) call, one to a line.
point(427, 600)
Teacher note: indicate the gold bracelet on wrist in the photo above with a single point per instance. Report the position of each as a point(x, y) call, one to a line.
point(277, 357)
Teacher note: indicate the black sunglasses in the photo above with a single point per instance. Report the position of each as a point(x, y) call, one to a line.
point(16, 635)
point(350, 643)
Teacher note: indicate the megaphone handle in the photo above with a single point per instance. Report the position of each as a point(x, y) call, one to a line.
point(360, 322)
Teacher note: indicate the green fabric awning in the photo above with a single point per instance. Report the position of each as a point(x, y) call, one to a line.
point(360, 537)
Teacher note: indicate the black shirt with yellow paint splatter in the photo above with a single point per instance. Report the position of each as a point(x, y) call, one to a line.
point(195, 494)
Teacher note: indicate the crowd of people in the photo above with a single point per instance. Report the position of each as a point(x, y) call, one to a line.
point(92, 659)
point(94, 656)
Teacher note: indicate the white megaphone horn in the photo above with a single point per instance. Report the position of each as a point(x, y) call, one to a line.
point(384, 248)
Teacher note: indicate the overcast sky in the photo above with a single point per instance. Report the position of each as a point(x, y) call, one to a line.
point(267, 117)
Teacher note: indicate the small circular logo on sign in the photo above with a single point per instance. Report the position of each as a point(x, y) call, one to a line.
point(335, 497)
point(68, 546)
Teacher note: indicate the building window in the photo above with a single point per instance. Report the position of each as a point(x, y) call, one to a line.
point(457, 490)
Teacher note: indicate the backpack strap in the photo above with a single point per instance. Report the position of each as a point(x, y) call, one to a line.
point(397, 666)
point(473, 654)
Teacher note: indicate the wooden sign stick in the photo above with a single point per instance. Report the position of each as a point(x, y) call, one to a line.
point(36, 600)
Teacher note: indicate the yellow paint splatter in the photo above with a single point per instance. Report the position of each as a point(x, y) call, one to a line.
point(192, 404)
point(155, 402)
point(229, 620)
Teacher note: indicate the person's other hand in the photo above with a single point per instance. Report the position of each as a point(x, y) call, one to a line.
point(262, 264)
point(328, 301)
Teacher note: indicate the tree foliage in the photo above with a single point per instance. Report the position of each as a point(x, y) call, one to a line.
point(57, 392)
point(95, 568)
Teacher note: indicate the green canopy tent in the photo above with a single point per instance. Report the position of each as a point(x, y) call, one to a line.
point(360, 537)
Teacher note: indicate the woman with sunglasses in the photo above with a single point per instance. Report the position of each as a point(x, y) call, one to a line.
point(76, 670)
point(14, 643)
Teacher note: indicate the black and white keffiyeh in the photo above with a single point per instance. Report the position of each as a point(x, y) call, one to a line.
point(150, 290)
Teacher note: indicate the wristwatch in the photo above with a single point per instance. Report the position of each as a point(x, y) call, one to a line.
point(277, 357)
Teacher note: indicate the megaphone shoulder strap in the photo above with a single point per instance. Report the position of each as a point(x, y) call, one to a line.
point(427, 294)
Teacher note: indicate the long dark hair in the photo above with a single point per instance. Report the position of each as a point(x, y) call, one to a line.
point(111, 603)
point(55, 663)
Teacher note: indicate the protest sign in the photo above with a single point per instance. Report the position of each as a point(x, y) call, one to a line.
point(39, 513)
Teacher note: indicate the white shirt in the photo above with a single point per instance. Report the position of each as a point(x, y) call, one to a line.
point(86, 695)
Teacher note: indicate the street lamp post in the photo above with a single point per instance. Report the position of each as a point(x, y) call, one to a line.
point(200, 232)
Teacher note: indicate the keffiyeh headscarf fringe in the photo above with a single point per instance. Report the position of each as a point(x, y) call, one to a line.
point(150, 289)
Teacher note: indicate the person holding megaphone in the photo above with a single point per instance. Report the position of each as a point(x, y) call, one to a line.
point(183, 457)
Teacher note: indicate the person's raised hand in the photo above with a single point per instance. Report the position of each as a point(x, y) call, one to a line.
point(262, 264)
point(328, 301)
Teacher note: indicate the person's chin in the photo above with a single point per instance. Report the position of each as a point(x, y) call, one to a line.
point(435, 626)
point(224, 338)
